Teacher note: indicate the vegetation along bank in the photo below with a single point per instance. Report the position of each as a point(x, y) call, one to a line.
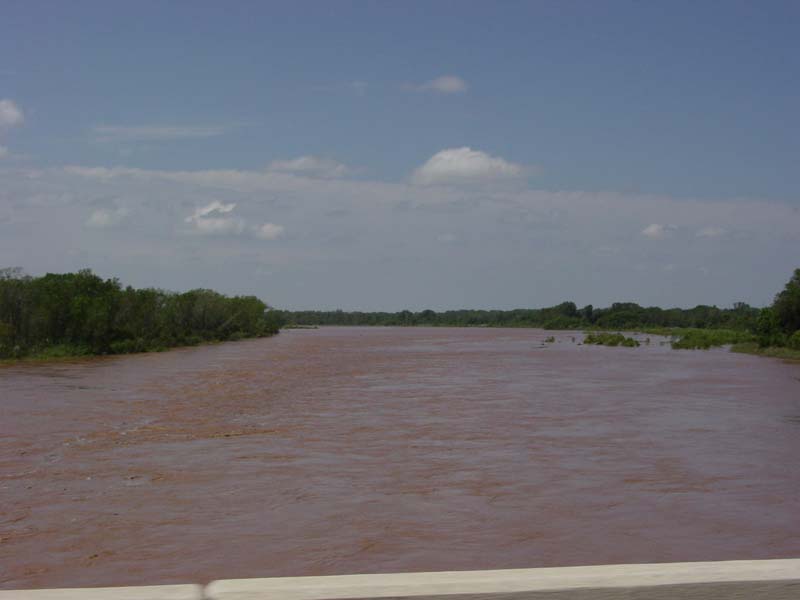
point(75, 314)
point(770, 331)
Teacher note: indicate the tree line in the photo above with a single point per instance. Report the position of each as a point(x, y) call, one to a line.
point(81, 313)
point(777, 325)
point(620, 315)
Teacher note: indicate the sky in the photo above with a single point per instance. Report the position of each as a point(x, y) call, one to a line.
point(406, 155)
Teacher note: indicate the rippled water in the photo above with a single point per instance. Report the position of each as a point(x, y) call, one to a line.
point(347, 450)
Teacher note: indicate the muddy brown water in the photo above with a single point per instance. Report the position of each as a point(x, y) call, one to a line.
point(358, 450)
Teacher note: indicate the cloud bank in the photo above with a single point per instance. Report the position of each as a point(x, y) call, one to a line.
point(104, 217)
point(366, 244)
point(269, 231)
point(311, 166)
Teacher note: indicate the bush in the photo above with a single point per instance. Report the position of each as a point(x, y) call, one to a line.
point(703, 339)
point(130, 346)
point(794, 341)
point(193, 340)
point(610, 339)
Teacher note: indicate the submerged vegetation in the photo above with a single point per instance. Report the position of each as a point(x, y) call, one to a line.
point(74, 314)
point(610, 339)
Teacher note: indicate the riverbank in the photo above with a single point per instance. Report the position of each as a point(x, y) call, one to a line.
point(66, 352)
point(682, 339)
point(771, 352)
point(739, 341)
point(701, 339)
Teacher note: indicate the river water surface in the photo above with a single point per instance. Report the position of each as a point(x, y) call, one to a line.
point(353, 450)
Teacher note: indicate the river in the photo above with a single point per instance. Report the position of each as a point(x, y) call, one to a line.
point(355, 450)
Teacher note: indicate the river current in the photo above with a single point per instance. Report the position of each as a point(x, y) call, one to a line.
point(368, 450)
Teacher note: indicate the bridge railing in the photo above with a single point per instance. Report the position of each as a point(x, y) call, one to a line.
point(777, 579)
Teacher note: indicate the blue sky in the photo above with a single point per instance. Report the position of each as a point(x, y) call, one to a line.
point(436, 154)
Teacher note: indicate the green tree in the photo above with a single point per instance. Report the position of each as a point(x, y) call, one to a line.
point(81, 313)
point(787, 305)
point(768, 328)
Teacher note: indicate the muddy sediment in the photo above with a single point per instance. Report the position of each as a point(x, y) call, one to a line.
point(353, 450)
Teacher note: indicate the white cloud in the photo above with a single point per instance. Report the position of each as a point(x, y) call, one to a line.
point(216, 219)
point(10, 114)
point(389, 232)
point(711, 232)
point(206, 220)
point(104, 217)
point(460, 165)
point(446, 84)
point(153, 133)
point(310, 166)
point(215, 206)
point(269, 231)
point(655, 231)
point(219, 226)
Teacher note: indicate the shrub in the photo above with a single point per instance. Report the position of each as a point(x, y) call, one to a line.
point(610, 339)
point(794, 341)
point(704, 339)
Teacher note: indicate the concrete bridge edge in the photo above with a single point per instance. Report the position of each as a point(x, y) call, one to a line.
point(776, 579)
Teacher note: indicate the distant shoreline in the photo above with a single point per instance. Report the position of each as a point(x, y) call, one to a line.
point(681, 338)
point(47, 356)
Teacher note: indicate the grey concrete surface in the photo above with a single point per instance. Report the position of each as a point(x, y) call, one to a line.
point(149, 592)
point(729, 580)
point(767, 579)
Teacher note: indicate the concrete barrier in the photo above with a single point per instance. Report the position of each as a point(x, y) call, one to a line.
point(731, 580)
point(147, 592)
